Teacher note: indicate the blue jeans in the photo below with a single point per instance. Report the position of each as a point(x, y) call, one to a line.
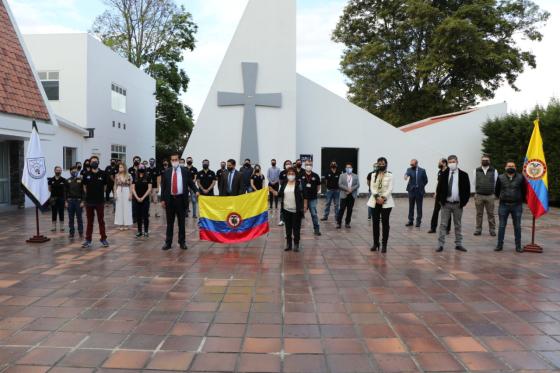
point(75, 210)
point(332, 195)
point(312, 205)
point(505, 209)
point(194, 202)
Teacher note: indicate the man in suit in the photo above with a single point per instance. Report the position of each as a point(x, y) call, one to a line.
point(175, 184)
point(453, 193)
point(416, 188)
point(348, 183)
point(232, 181)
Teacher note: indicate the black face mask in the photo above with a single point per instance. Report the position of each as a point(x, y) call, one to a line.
point(79, 168)
point(257, 170)
point(57, 173)
point(136, 163)
point(298, 165)
point(205, 166)
point(223, 167)
point(413, 167)
point(189, 163)
point(247, 165)
point(94, 165)
point(381, 168)
point(113, 164)
point(486, 163)
point(273, 164)
point(230, 169)
point(510, 170)
point(333, 166)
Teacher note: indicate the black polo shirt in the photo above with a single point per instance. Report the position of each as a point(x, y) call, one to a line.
point(141, 184)
point(193, 171)
point(283, 176)
point(258, 181)
point(95, 183)
point(154, 173)
point(206, 178)
point(332, 179)
point(310, 183)
point(111, 171)
point(58, 186)
point(299, 174)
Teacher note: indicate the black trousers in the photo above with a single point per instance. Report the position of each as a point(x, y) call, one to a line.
point(381, 215)
point(272, 197)
point(292, 222)
point(415, 198)
point(143, 215)
point(346, 204)
point(175, 209)
point(435, 218)
point(57, 208)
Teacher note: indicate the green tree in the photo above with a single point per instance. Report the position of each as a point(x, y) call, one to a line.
point(508, 137)
point(153, 35)
point(410, 59)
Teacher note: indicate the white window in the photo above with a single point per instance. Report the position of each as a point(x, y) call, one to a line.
point(118, 152)
point(70, 156)
point(118, 98)
point(51, 84)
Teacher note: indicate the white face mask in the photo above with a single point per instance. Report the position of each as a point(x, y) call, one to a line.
point(452, 166)
point(174, 164)
point(349, 170)
point(291, 177)
point(308, 168)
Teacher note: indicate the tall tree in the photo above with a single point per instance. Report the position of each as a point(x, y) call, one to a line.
point(410, 59)
point(153, 35)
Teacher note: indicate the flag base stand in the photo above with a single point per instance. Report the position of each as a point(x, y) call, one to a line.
point(38, 239)
point(532, 248)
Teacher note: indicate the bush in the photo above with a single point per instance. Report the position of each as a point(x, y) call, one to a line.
point(508, 138)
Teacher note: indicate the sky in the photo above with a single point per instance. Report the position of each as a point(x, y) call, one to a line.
point(318, 57)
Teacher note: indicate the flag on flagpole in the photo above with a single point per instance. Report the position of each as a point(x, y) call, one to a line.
point(535, 172)
point(34, 178)
point(233, 219)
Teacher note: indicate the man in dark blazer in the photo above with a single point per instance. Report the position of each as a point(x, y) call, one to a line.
point(175, 184)
point(416, 188)
point(231, 183)
point(452, 193)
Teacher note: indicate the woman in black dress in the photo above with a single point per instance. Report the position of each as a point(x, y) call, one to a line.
point(257, 178)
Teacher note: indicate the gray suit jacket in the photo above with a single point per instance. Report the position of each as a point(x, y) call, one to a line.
point(343, 185)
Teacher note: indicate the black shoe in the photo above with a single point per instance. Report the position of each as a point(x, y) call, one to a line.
point(324, 219)
point(71, 235)
point(493, 234)
point(288, 248)
point(183, 246)
point(447, 233)
point(460, 248)
point(477, 233)
point(296, 248)
point(519, 249)
point(139, 234)
point(432, 231)
point(439, 249)
point(338, 226)
point(375, 247)
point(499, 248)
point(317, 233)
point(166, 247)
point(418, 224)
point(409, 224)
point(146, 234)
point(384, 248)
point(347, 226)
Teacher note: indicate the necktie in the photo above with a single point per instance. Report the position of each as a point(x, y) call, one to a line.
point(450, 187)
point(416, 178)
point(174, 189)
point(230, 179)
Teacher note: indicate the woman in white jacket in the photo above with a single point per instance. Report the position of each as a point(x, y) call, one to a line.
point(381, 201)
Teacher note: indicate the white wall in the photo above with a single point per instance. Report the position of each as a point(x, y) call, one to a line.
point(267, 35)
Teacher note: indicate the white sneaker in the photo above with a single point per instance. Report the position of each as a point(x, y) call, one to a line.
point(281, 224)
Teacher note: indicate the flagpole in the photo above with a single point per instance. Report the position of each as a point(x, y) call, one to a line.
point(533, 247)
point(38, 238)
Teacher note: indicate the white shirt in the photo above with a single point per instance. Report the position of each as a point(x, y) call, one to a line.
point(290, 198)
point(485, 170)
point(455, 187)
point(179, 181)
point(349, 180)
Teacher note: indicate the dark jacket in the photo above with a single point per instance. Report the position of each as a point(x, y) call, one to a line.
point(511, 191)
point(422, 180)
point(237, 184)
point(166, 182)
point(464, 188)
point(298, 190)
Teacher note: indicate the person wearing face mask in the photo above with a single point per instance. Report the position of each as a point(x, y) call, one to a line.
point(79, 168)
point(299, 169)
point(333, 192)
point(381, 201)
point(417, 179)
point(219, 175)
point(141, 190)
point(123, 198)
point(154, 174)
point(247, 171)
point(193, 172)
point(175, 183)
point(273, 176)
point(86, 168)
point(311, 185)
point(348, 183)
point(257, 178)
point(95, 183)
point(206, 179)
point(442, 166)
point(182, 162)
point(485, 178)
point(57, 188)
point(511, 189)
point(111, 170)
point(368, 180)
point(74, 202)
point(232, 181)
point(132, 172)
point(292, 208)
point(453, 193)
point(282, 178)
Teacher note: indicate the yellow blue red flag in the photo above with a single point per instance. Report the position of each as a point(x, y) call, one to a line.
point(535, 172)
point(233, 219)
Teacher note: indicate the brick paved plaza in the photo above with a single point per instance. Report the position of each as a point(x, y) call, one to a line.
point(334, 307)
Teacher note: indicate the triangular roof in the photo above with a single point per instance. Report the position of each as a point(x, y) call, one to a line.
point(19, 91)
point(433, 120)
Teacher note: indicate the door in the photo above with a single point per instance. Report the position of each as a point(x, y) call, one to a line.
point(341, 156)
point(4, 173)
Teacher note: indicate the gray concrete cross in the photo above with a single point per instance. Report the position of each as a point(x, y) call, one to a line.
point(250, 100)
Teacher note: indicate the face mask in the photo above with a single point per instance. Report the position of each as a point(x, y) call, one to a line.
point(205, 166)
point(136, 163)
point(308, 168)
point(230, 169)
point(510, 170)
point(223, 167)
point(94, 165)
point(486, 163)
point(247, 165)
point(298, 165)
point(113, 164)
point(73, 173)
point(333, 166)
point(381, 168)
point(452, 166)
point(79, 168)
point(152, 163)
point(349, 170)
point(189, 163)
point(58, 173)
point(273, 164)
point(412, 166)
point(175, 164)
point(257, 169)
point(291, 177)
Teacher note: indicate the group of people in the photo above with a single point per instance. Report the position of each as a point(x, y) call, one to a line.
point(296, 188)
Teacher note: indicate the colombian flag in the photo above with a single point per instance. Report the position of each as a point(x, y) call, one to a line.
point(535, 173)
point(233, 219)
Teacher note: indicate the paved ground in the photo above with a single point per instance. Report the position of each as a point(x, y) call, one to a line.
point(335, 307)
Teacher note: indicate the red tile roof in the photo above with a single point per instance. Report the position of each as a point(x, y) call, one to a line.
point(19, 93)
point(433, 120)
